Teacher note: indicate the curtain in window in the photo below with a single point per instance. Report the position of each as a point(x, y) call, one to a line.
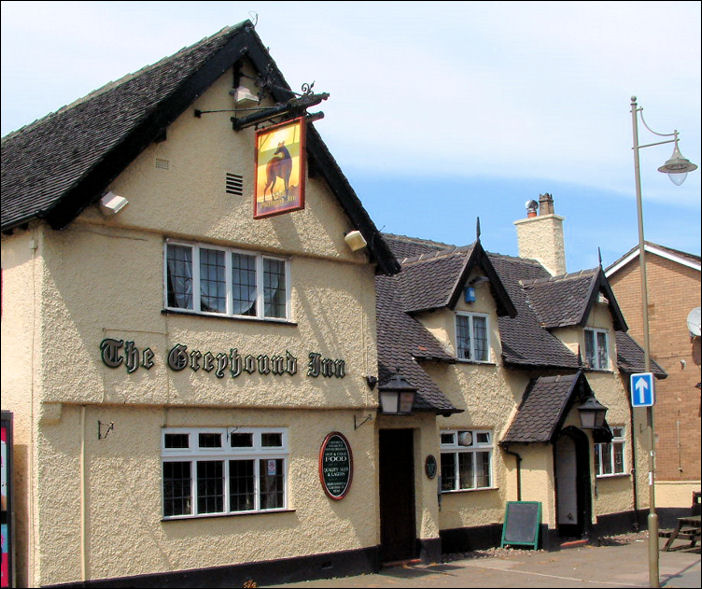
point(213, 288)
point(244, 284)
point(274, 288)
point(179, 260)
point(590, 348)
point(602, 350)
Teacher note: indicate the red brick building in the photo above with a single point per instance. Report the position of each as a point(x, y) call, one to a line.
point(673, 282)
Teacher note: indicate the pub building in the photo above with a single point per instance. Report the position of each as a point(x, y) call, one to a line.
point(220, 372)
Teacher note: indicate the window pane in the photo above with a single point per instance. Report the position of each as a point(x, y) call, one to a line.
point(462, 337)
point(606, 458)
point(241, 440)
point(213, 289)
point(179, 261)
point(176, 489)
point(483, 438)
point(244, 284)
point(241, 485)
point(271, 475)
point(210, 494)
point(274, 288)
point(602, 359)
point(209, 440)
point(480, 338)
point(598, 458)
point(590, 348)
point(448, 472)
point(272, 440)
point(176, 441)
point(482, 469)
point(447, 438)
point(618, 450)
point(465, 470)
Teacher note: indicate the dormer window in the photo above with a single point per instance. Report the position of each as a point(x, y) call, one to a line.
point(597, 349)
point(472, 337)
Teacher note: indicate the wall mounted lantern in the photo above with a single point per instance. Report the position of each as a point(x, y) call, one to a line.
point(397, 396)
point(592, 414)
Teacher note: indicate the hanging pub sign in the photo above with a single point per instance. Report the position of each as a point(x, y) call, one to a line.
point(335, 466)
point(279, 185)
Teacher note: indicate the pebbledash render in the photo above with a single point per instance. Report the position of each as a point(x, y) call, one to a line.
point(195, 392)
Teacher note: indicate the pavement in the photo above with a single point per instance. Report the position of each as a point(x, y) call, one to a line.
point(620, 561)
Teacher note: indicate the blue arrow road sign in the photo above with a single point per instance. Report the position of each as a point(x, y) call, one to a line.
point(642, 390)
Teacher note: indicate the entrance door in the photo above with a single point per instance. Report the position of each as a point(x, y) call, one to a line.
point(573, 503)
point(397, 517)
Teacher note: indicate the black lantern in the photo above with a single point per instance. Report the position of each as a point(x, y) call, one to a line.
point(592, 413)
point(397, 396)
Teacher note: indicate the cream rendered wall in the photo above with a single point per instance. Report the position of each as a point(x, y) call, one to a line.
point(126, 535)
point(489, 395)
point(22, 268)
point(102, 278)
point(610, 494)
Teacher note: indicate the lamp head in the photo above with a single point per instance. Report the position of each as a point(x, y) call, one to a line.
point(677, 167)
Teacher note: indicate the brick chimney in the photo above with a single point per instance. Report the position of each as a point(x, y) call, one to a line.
point(541, 236)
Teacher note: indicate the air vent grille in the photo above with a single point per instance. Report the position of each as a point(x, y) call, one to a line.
point(234, 184)
point(162, 164)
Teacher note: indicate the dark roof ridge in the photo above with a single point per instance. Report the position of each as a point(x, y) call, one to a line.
point(529, 261)
point(456, 250)
point(420, 240)
point(107, 86)
point(566, 276)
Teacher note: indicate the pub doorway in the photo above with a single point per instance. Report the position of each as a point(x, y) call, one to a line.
point(398, 537)
point(573, 500)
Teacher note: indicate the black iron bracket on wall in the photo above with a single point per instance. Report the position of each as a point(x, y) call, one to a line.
point(295, 107)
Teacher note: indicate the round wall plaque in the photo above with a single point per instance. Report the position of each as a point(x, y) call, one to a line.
point(430, 466)
point(335, 466)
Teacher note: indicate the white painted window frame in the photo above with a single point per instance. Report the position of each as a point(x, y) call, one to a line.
point(260, 304)
point(470, 316)
point(455, 449)
point(618, 441)
point(595, 331)
point(193, 454)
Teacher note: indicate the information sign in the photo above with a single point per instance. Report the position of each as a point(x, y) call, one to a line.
point(522, 523)
point(643, 393)
point(335, 466)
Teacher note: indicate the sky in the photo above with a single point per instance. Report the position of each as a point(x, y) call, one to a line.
point(439, 113)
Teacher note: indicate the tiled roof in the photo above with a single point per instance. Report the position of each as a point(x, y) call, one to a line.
point(401, 339)
point(42, 161)
point(630, 356)
point(543, 408)
point(524, 342)
point(565, 300)
point(60, 164)
point(409, 247)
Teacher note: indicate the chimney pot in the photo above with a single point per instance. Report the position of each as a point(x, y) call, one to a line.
point(546, 204)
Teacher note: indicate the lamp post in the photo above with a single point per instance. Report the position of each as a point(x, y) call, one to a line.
point(677, 168)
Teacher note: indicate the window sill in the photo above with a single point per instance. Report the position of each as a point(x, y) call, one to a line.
point(228, 317)
point(603, 370)
point(476, 362)
point(459, 491)
point(619, 475)
point(177, 518)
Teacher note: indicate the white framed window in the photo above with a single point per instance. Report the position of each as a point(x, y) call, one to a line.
point(597, 349)
point(610, 457)
point(223, 281)
point(216, 471)
point(466, 460)
point(472, 339)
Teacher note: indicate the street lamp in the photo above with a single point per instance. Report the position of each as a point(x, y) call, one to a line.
point(677, 168)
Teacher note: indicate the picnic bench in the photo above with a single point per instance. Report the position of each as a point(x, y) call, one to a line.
point(688, 528)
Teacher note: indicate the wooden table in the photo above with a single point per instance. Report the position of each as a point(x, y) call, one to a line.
point(688, 528)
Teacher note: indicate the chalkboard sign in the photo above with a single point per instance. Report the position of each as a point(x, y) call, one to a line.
point(335, 466)
point(522, 523)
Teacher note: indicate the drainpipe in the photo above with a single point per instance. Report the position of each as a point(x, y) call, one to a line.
point(519, 470)
point(82, 496)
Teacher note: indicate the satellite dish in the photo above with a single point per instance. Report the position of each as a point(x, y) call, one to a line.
point(693, 321)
